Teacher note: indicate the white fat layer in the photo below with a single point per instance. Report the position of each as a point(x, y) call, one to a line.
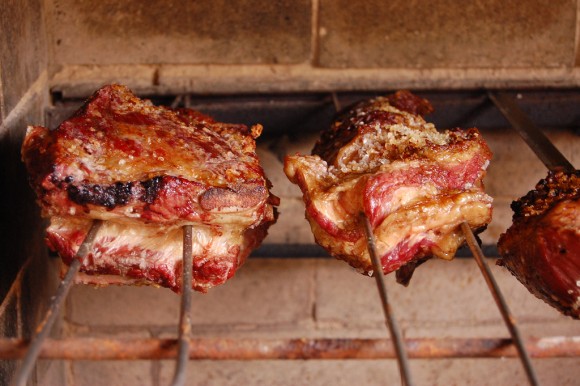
point(129, 246)
point(434, 219)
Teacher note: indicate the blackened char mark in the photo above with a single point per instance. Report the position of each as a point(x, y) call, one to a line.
point(557, 186)
point(405, 272)
point(152, 188)
point(117, 194)
point(108, 196)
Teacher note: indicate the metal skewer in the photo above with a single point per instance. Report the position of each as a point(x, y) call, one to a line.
point(552, 158)
point(392, 325)
point(44, 328)
point(186, 282)
point(185, 313)
point(501, 303)
point(14, 290)
point(534, 137)
point(336, 102)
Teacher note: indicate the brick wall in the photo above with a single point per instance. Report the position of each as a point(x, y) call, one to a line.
point(23, 97)
point(257, 46)
point(321, 298)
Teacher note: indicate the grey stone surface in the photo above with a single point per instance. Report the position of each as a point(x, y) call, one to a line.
point(441, 293)
point(204, 32)
point(436, 372)
point(262, 292)
point(403, 34)
point(122, 306)
point(107, 373)
point(324, 298)
point(23, 50)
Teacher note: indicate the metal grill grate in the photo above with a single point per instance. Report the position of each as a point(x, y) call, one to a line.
point(185, 347)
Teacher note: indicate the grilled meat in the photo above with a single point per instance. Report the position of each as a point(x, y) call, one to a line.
point(152, 254)
point(148, 170)
point(542, 247)
point(415, 184)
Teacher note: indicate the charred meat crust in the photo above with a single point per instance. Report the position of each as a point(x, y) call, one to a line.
point(364, 115)
point(107, 196)
point(557, 186)
point(120, 155)
point(147, 170)
point(411, 103)
point(542, 247)
point(415, 184)
point(545, 258)
point(121, 193)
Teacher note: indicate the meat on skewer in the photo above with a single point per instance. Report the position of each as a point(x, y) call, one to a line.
point(148, 170)
point(416, 185)
point(542, 247)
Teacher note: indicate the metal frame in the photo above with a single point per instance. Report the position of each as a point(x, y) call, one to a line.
point(44, 328)
point(91, 348)
point(185, 348)
point(185, 309)
point(391, 321)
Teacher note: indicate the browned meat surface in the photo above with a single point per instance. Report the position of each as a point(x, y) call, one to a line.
point(542, 247)
point(415, 184)
point(148, 170)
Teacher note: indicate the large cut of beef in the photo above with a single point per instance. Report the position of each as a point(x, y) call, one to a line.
point(416, 185)
point(542, 247)
point(148, 170)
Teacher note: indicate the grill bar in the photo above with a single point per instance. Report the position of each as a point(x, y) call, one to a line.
point(14, 290)
point(185, 312)
point(534, 137)
point(391, 322)
point(44, 328)
point(185, 348)
point(553, 159)
point(91, 348)
point(501, 304)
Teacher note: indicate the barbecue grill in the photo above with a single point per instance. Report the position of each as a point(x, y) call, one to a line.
point(297, 315)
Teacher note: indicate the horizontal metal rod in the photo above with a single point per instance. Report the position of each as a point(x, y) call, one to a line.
point(323, 348)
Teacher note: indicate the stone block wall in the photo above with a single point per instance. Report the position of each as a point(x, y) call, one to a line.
point(269, 46)
point(68, 48)
point(23, 98)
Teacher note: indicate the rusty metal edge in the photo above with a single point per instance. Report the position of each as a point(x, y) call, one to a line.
point(90, 348)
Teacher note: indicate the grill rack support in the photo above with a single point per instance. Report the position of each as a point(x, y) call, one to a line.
point(185, 309)
point(87, 348)
point(391, 321)
point(488, 276)
point(45, 326)
point(508, 319)
point(100, 349)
